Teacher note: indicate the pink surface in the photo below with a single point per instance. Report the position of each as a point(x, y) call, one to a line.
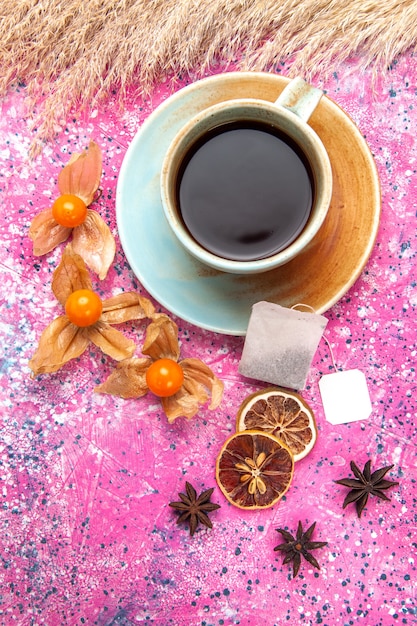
point(87, 536)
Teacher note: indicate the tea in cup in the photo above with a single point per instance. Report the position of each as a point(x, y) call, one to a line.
point(246, 183)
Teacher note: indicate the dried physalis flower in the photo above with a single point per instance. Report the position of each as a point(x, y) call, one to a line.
point(92, 239)
point(87, 318)
point(183, 386)
point(254, 469)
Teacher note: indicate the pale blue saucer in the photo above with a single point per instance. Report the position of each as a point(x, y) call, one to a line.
point(207, 298)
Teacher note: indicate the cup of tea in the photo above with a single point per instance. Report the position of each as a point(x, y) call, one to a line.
point(246, 183)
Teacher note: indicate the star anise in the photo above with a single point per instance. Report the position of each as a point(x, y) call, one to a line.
point(193, 509)
point(300, 545)
point(367, 483)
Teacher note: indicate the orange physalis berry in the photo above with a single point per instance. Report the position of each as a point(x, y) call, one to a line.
point(69, 210)
point(83, 307)
point(164, 377)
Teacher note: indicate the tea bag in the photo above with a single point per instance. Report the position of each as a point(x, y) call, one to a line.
point(280, 344)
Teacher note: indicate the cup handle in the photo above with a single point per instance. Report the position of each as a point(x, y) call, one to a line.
point(300, 98)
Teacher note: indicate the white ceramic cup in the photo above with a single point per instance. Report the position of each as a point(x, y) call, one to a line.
point(288, 115)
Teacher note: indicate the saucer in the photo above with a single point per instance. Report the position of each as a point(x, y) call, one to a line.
point(222, 302)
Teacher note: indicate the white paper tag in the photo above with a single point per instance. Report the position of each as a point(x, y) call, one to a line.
point(345, 397)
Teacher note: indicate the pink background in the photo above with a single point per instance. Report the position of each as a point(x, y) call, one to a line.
point(87, 536)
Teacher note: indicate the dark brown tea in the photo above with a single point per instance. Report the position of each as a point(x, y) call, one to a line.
point(245, 191)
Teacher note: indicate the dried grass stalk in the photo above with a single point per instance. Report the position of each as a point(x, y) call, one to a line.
point(73, 53)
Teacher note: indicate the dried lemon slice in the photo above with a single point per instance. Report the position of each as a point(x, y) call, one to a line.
point(254, 469)
point(283, 414)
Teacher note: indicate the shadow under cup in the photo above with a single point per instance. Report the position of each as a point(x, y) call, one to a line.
point(246, 185)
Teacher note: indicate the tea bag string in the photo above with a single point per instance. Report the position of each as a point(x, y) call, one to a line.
point(310, 308)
